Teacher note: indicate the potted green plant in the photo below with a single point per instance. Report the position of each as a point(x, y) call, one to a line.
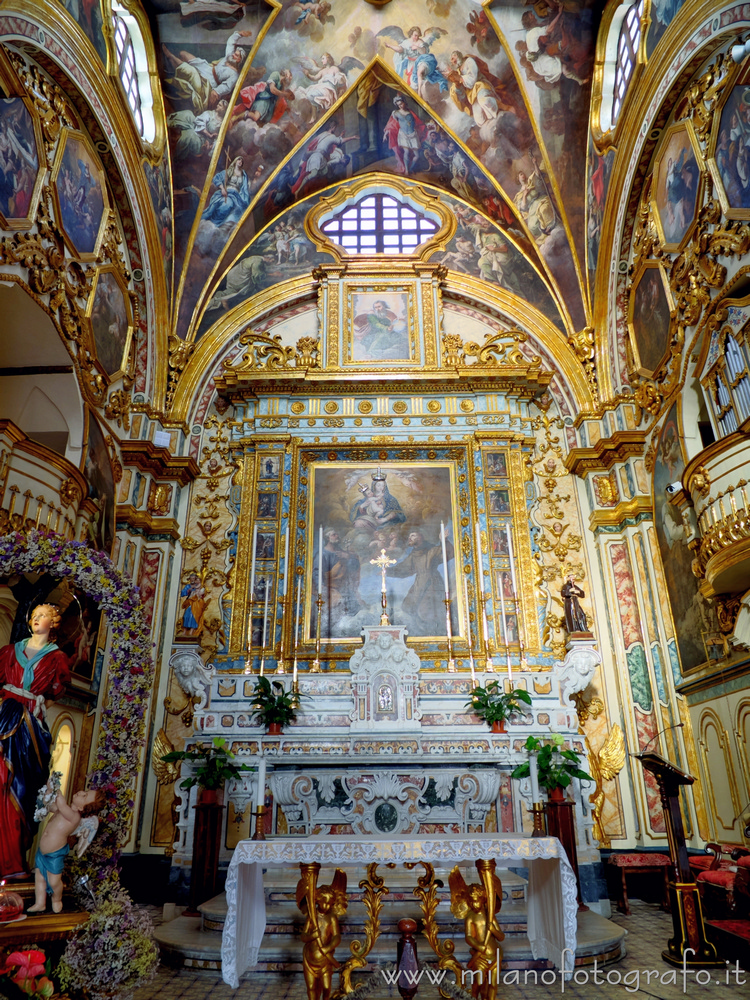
point(215, 764)
point(273, 705)
point(495, 705)
point(556, 765)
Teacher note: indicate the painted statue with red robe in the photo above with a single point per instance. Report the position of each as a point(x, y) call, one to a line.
point(32, 672)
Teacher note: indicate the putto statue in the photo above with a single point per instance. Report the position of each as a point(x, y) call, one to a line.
point(477, 905)
point(76, 818)
point(323, 907)
point(32, 671)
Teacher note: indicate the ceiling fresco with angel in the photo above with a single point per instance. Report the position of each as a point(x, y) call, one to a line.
point(270, 103)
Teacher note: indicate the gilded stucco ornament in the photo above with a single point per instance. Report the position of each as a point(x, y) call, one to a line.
point(118, 408)
point(179, 353)
point(555, 518)
point(703, 96)
point(48, 99)
point(583, 343)
point(268, 354)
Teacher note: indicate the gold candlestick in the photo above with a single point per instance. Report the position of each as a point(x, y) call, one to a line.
point(451, 661)
point(280, 663)
point(260, 833)
point(489, 666)
point(540, 825)
point(315, 665)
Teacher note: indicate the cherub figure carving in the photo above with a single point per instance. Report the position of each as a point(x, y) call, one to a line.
point(323, 907)
point(477, 905)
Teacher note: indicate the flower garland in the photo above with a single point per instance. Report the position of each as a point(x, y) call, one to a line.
point(122, 730)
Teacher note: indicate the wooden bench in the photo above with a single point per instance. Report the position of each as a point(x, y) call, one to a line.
point(639, 864)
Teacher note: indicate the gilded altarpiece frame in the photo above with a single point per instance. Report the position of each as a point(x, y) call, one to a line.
point(310, 500)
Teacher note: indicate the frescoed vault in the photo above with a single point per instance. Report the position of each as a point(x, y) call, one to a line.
point(269, 106)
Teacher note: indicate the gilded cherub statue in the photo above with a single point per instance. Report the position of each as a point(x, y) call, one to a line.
point(323, 907)
point(477, 905)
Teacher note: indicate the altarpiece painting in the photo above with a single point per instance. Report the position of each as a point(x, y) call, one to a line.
point(363, 510)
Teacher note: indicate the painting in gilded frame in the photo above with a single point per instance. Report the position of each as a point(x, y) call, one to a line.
point(379, 325)
point(691, 615)
point(97, 468)
point(363, 510)
point(496, 464)
point(650, 315)
point(111, 319)
point(675, 186)
point(80, 193)
point(267, 505)
point(20, 176)
point(729, 163)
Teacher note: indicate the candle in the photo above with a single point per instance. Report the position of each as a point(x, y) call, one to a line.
point(534, 775)
point(296, 630)
point(260, 791)
point(320, 561)
point(505, 631)
point(286, 562)
point(512, 560)
point(445, 559)
point(252, 568)
point(265, 625)
point(468, 639)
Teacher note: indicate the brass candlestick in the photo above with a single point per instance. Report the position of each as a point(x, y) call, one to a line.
point(540, 823)
point(523, 664)
point(280, 663)
point(488, 666)
point(260, 833)
point(315, 665)
point(451, 661)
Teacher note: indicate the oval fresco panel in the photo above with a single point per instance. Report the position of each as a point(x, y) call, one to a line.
point(79, 184)
point(676, 178)
point(109, 322)
point(19, 160)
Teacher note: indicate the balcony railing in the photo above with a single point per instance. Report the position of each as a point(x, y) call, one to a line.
point(39, 488)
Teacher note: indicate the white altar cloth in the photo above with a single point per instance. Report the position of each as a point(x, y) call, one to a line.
point(552, 899)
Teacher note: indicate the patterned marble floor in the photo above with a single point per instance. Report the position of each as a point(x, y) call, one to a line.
point(648, 931)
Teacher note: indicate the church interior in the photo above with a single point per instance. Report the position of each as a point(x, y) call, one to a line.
point(374, 474)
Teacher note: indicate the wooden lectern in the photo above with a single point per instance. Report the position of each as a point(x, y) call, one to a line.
point(689, 946)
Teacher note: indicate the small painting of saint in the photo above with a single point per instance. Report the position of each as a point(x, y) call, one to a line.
point(265, 546)
point(499, 502)
point(269, 467)
point(268, 504)
point(499, 542)
point(496, 463)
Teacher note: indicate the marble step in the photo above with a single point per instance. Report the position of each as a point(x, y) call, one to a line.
point(399, 902)
point(183, 942)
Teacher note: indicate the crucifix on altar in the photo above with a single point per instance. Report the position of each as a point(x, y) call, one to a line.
point(383, 562)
